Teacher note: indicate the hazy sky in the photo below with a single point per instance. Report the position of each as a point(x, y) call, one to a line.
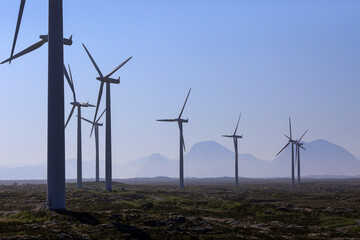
point(266, 59)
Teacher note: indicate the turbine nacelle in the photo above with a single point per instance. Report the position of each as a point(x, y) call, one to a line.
point(174, 120)
point(233, 136)
point(81, 104)
point(183, 120)
point(67, 41)
point(290, 140)
point(299, 145)
point(109, 80)
point(44, 39)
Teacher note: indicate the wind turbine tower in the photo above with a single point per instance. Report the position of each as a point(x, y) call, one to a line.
point(299, 145)
point(55, 131)
point(235, 139)
point(79, 105)
point(180, 122)
point(106, 79)
point(96, 125)
point(292, 154)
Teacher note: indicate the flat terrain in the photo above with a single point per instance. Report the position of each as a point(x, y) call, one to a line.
point(205, 209)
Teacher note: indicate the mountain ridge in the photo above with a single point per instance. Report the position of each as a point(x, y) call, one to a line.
point(209, 159)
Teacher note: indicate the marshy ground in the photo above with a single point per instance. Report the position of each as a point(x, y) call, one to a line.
point(205, 209)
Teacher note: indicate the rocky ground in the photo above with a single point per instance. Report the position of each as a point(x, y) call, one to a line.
point(267, 209)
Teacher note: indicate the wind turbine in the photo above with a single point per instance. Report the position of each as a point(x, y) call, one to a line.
point(292, 154)
point(56, 138)
point(180, 121)
point(44, 39)
point(79, 105)
point(298, 146)
point(106, 79)
point(96, 125)
point(235, 138)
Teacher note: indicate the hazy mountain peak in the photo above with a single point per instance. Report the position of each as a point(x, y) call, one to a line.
point(321, 157)
point(211, 159)
point(322, 142)
point(156, 156)
point(206, 144)
point(208, 147)
point(327, 146)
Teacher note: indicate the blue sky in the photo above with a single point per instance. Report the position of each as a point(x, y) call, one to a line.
point(266, 59)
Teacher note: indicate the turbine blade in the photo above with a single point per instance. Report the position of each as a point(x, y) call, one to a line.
point(228, 136)
point(237, 124)
point(235, 144)
point(296, 160)
point(287, 136)
point(69, 82)
point(101, 115)
point(71, 113)
point(283, 149)
point(184, 103)
point(182, 137)
point(67, 77)
point(117, 68)
point(21, 10)
point(303, 147)
point(183, 142)
point(296, 157)
point(98, 103)
point(85, 120)
point(166, 120)
point(303, 135)
point(92, 130)
point(89, 105)
point(27, 50)
point(92, 60)
point(290, 128)
point(72, 83)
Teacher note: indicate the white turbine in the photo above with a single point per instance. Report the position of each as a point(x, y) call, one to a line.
point(106, 79)
point(235, 138)
point(79, 105)
point(299, 145)
point(55, 124)
point(180, 121)
point(292, 141)
point(96, 125)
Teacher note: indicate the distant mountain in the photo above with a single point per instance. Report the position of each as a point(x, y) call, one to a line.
point(40, 171)
point(320, 158)
point(25, 172)
point(131, 168)
point(88, 168)
point(205, 159)
point(158, 165)
point(209, 159)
